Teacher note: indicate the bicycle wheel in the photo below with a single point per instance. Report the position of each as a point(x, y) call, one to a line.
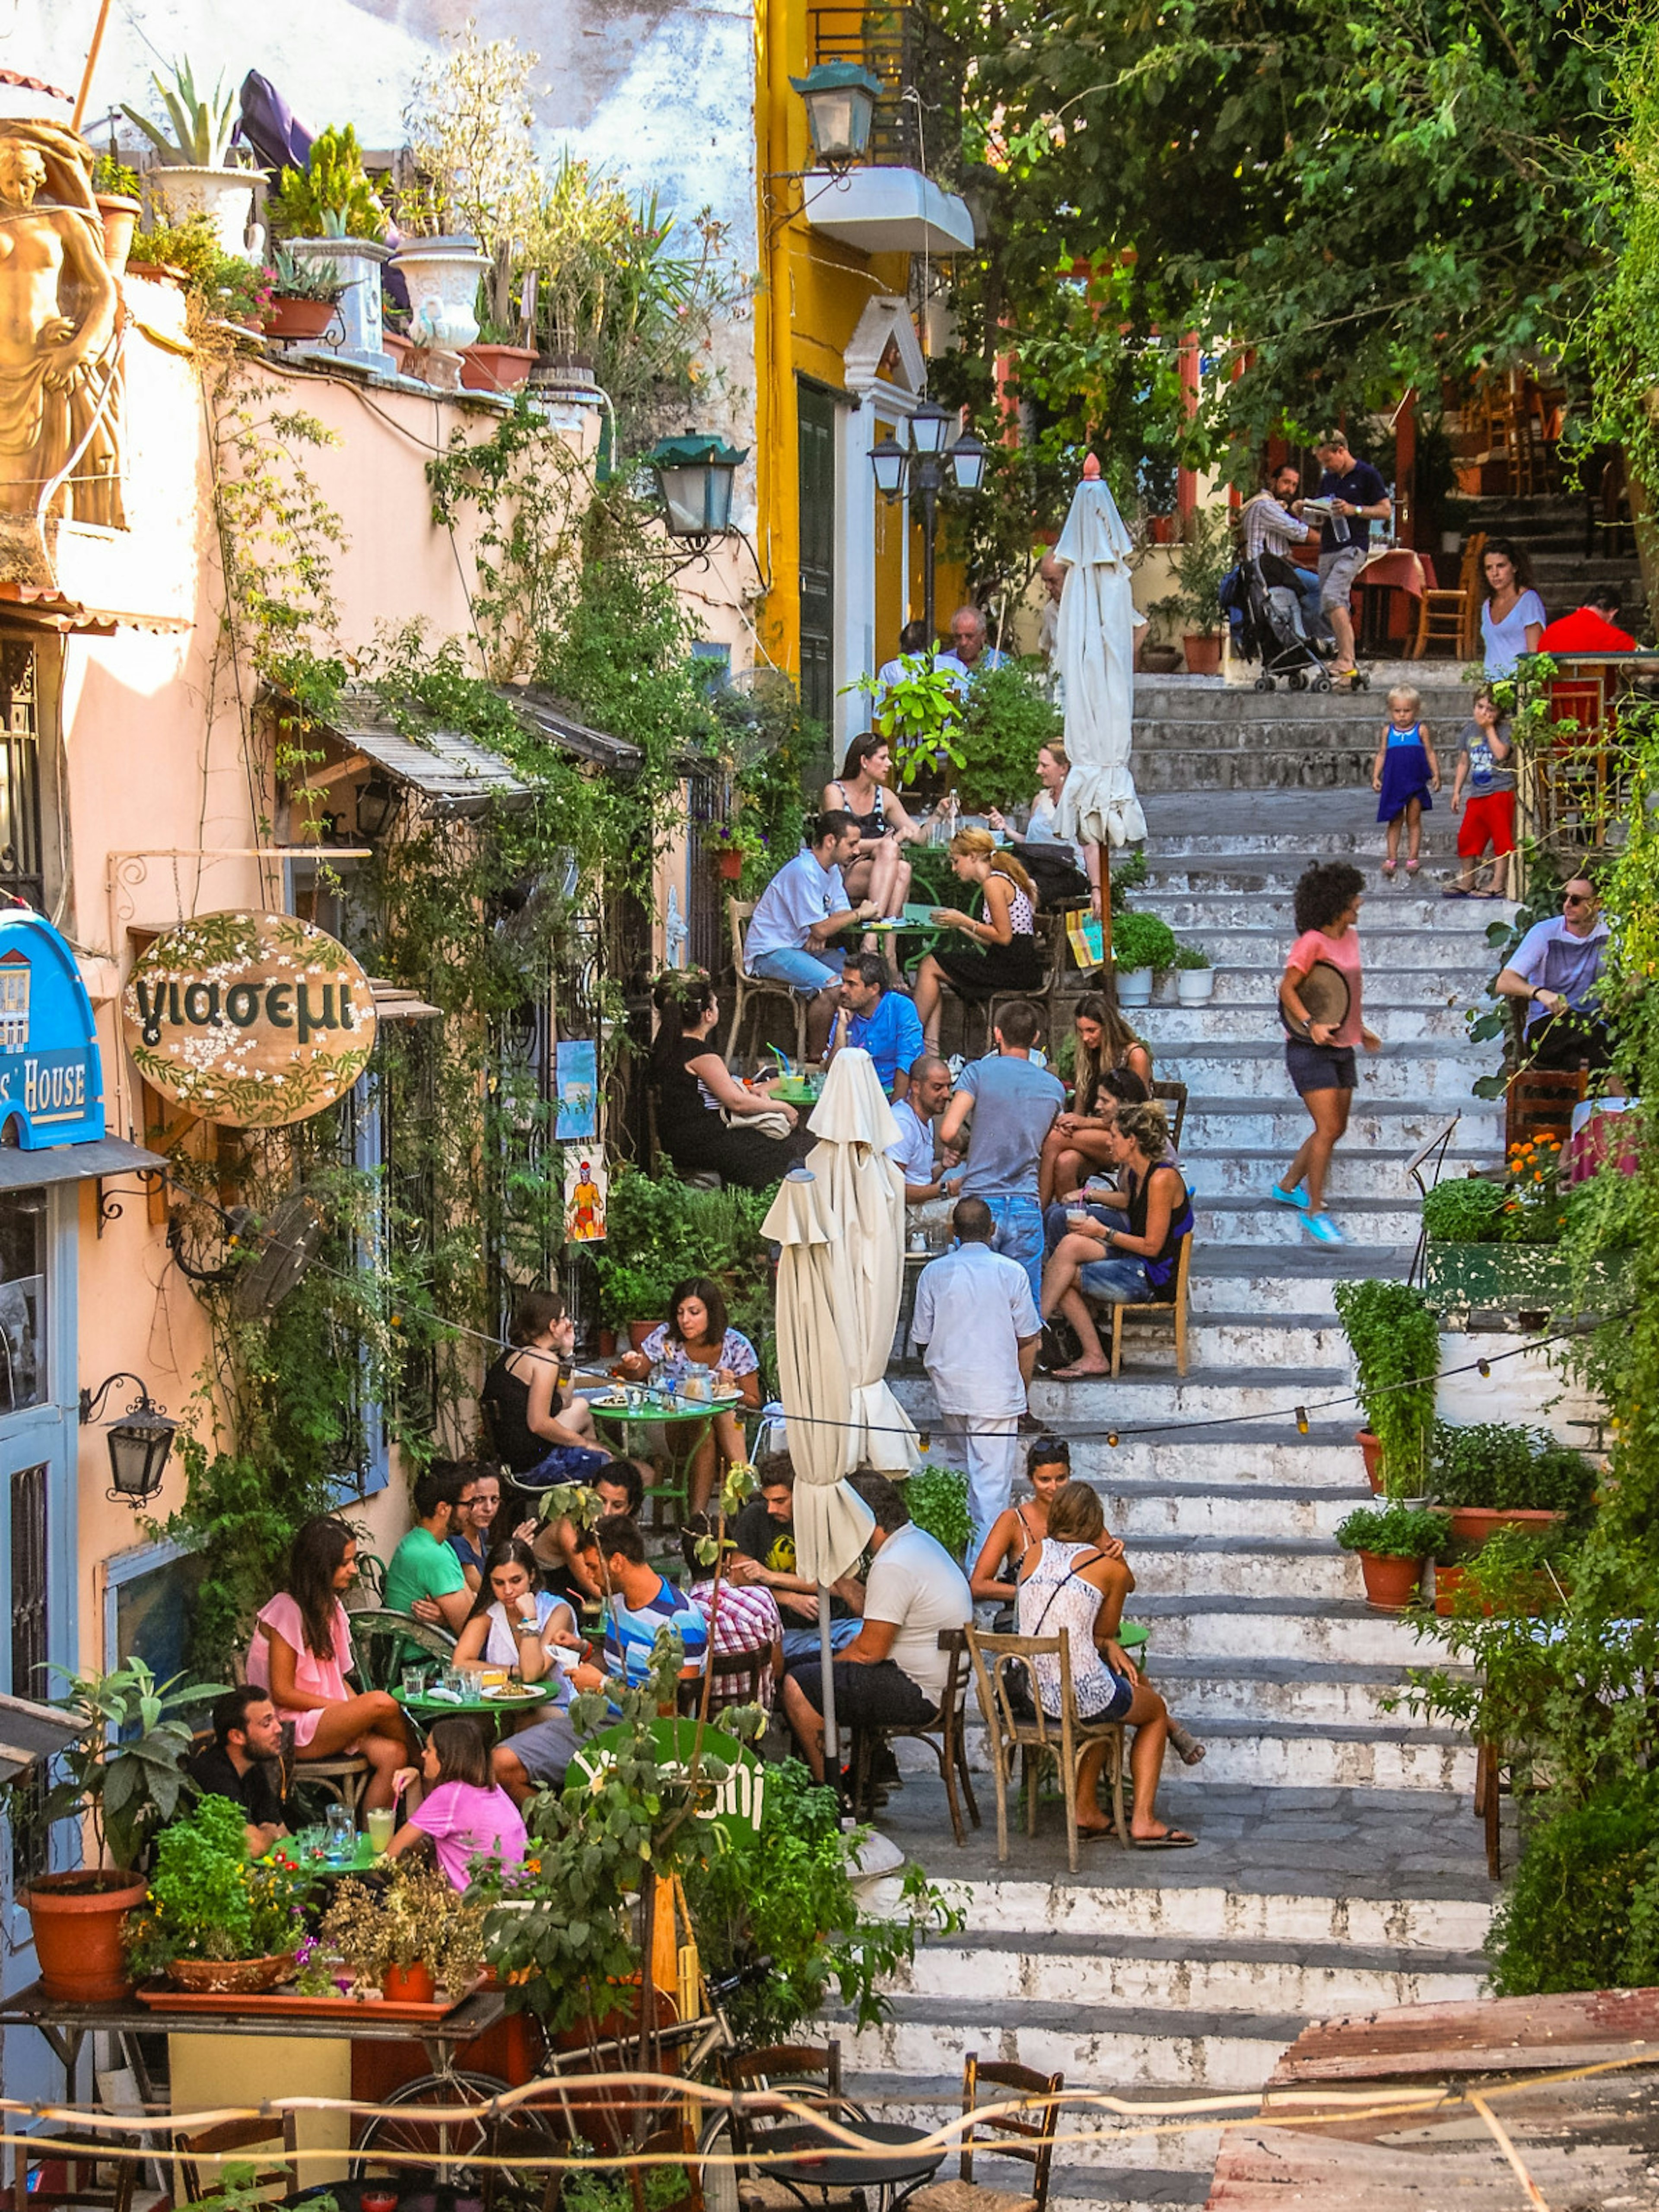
point(720, 2181)
point(450, 2147)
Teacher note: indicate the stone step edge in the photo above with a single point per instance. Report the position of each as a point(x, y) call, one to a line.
point(1141, 1488)
point(1275, 1607)
point(1250, 1667)
point(1364, 1957)
point(1158, 2024)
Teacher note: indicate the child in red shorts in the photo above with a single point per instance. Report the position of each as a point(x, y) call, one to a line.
point(1488, 813)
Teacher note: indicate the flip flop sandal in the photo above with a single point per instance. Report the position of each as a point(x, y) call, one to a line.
point(1388, 868)
point(1455, 891)
point(1411, 866)
point(1173, 1839)
point(1191, 1750)
point(1098, 1835)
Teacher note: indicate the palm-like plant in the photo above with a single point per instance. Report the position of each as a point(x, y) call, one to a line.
point(201, 128)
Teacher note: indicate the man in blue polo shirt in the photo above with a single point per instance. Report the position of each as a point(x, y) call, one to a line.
point(639, 1604)
point(880, 1022)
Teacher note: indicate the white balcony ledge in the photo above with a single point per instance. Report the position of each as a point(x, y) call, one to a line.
point(881, 210)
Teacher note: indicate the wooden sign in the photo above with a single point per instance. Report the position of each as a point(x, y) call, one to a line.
point(254, 1020)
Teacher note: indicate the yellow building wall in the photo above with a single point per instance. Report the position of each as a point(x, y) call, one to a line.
point(812, 294)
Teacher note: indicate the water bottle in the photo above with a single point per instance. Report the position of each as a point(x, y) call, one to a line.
point(340, 1847)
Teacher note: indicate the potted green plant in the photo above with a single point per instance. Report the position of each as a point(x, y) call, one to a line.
point(1494, 1244)
point(1204, 557)
point(120, 202)
point(196, 177)
point(1007, 717)
point(494, 361)
point(938, 1499)
point(213, 1919)
point(303, 296)
point(1194, 977)
point(1392, 1543)
point(1142, 944)
point(416, 1936)
point(330, 216)
point(122, 1771)
point(920, 714)
point(1394, 1337)
point(1497, 1474)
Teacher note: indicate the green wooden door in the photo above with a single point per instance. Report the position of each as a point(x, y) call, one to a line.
point(817, 552)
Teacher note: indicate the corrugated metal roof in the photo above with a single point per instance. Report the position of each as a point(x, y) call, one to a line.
point(455, 775)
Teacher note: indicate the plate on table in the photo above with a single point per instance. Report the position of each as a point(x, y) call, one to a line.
point(512, 1693)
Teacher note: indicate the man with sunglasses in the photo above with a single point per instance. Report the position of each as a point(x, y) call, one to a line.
point(1555, 971)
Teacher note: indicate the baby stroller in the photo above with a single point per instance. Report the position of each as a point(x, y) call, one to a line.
point(1271, 630)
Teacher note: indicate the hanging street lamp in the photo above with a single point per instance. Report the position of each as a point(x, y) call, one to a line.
point(918, 459)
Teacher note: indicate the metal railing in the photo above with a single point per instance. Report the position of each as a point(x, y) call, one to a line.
point(918, 121)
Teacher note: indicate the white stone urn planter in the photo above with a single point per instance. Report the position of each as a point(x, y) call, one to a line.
point(224, 196)
point(358, 310)
point(1193, 986)
point(442, 276)
point(1134, 987)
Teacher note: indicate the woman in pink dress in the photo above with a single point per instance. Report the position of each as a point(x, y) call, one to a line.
point(301, 1650)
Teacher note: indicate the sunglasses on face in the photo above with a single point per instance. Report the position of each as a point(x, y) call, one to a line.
point(1578, 898)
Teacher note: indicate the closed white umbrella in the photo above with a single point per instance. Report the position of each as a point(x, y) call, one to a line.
point(832, 1521)
point(1094, 652)
point(864, 1191)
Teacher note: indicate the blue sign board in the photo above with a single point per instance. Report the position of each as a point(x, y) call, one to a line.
point(52, 1080)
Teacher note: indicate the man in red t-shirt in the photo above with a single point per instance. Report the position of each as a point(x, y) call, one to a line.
point(1588, 629)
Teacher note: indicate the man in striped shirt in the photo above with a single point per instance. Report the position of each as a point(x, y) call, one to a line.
point(639, 1604)
point(1273, 524)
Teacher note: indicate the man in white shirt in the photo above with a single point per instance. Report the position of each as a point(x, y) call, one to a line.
point(805, 905)
point(925, 1187)
point(892, 1674)
point(977, 1327)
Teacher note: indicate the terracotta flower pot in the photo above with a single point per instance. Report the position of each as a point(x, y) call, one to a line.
point(637, 1333)
point(730, 865)
point(229, 1976)
point(408, 1985)
point(401, 349)
point(1371, 1447)
point(77, 1920)
point(488, 368)
point(1203, 653)
point(299, 319)
point(1391, 1584)
point(1477, 1523)
point(1447, 1583)
point(604, 1343)
point(1161, 529)
point(120, 217)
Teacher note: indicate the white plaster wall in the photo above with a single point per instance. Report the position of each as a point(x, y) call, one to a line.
point(1523, 1386)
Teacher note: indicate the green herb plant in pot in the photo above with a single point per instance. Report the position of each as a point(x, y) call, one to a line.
point(213, 1920)
point(1395, 1336)
point(122, 1771)
point(1393, 1542)
point(1194, 977)
point(1142, 945)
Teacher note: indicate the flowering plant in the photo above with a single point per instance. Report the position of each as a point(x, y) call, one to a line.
point(417, 1918)
point(208, 1899)
point(1534, 1212)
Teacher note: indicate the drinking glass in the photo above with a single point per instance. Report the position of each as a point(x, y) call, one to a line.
point(341, 1846)
point(382, 1826)
point(414, 1680)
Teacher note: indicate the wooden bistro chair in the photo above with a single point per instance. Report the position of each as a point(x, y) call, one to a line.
point(1004, 2135)
point(1056, 970)
point(1174, 1306)
point(233, 2139)
point(1173, 1098)
point(945, 1735)
point(999, 1662)
point(750, 993)
point(1445, 616)
point(808, 2074)
point(741, 1675)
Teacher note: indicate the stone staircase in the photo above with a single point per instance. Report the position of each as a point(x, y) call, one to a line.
point(1551, 532)
point(1339, 1865)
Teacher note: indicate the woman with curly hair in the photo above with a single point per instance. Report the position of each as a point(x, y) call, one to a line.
point(695, 1094)
point(1320, 1054)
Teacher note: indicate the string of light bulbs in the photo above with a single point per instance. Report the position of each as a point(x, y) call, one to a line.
point(1112, 1435)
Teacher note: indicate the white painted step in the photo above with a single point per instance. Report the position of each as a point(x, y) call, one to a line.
point(1401, 1125)
point(1223, 1394)
point(1283, 1754)
point(1247, 1339)
point(997, 1969)
point(1285, 1628)
point(1214, 904)
point(1385, 949)
point(1233, 1015)
point(1145, 1513)
point(1436, 1073)
point(1240, 1457)
point(1250, 1171)
point(1251, 1218)
point(1256, 1565)
point(1249, 1690)
point(1096, 2149)
point(1086, 2043)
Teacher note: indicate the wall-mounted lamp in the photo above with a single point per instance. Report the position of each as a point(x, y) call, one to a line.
point(378, 802)
point(840, 99)
point(695, 474)
point(139, 1442)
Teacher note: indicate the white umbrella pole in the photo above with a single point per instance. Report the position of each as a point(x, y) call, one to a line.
point(826, 1663)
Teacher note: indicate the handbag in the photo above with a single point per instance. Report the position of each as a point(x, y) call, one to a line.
point(773, 1123)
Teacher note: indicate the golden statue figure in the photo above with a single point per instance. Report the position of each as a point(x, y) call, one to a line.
point(60, 314)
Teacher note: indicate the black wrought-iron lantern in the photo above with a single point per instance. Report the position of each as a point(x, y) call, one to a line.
point(140, 1441)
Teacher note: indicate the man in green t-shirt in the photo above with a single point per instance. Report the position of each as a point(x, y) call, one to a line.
point(425, 1577)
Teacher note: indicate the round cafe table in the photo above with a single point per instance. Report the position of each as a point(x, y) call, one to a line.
point(804, 2158)
point(426, 1708)
point(694, 1415)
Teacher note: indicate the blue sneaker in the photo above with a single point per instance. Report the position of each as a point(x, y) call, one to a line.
point(1323, 1229)
point(1297, 1198)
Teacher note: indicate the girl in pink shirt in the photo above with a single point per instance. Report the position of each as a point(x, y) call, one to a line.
point(467, 1815)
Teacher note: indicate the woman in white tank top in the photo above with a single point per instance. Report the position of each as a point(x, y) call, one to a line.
point(1067, 1582)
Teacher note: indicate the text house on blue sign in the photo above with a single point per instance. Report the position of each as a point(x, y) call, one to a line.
point(51, 1083)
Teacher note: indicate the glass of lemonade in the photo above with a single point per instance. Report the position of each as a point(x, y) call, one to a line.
point(381, 1822)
